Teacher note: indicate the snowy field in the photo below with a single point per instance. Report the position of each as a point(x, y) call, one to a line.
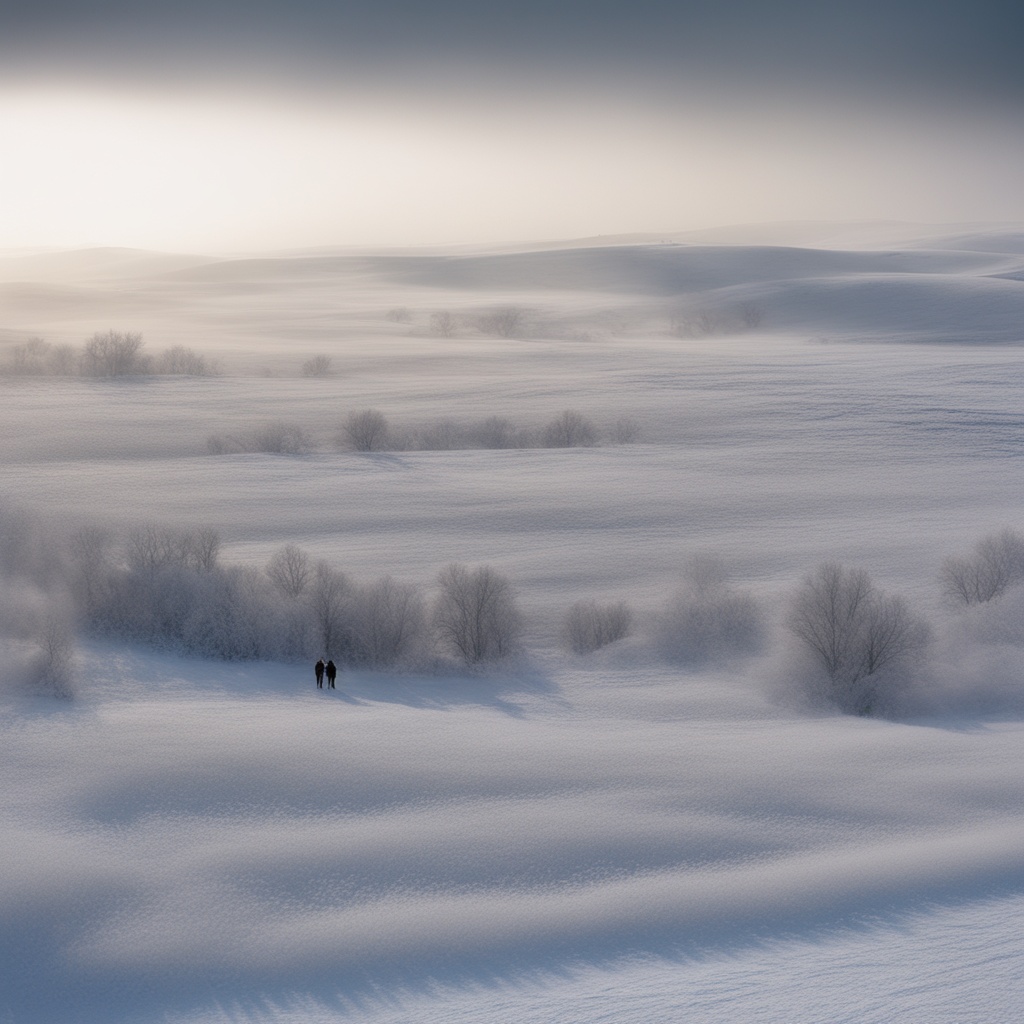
point(639, 834)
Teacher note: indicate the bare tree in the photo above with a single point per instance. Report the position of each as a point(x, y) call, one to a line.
point(995, 565)
point(505, 321)
point(444, 324)
point(495, 432)
point(366, 431)
point(91, 548)
point(290, 570)
point(201, 548)
point(570, 429)
point(316, 366)
point(475, 615)
point(151, 548)
point(852, 630)
point(399, 315)
point(329, 600)
point(389, 622)
point(185, 362)
point(828, 617)
point(589, 625)
point(29, 358)
point(53, 670)
point(113, 354)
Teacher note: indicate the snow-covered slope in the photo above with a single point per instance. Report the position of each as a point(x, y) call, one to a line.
point(623, 836)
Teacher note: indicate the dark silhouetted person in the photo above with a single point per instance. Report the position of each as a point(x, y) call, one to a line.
point(319, 669)
point(332, 673)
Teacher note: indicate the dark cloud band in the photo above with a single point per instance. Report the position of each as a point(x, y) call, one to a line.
point(947, 46)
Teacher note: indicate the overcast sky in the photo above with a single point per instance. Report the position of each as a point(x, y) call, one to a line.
point(265, 124)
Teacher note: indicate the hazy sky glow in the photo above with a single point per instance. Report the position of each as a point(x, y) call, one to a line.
point(226, 126)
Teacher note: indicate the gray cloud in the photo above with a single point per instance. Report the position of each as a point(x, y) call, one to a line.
point(945, 48)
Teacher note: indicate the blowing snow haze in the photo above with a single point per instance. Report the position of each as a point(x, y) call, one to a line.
point(236, 125)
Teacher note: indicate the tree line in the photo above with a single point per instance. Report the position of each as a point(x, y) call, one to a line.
point(106, 354)
point(167, 587)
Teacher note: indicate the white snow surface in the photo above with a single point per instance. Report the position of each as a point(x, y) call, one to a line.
point(602, 838)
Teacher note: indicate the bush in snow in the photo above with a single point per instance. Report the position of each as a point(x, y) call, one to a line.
point(330, 607)
point(588, 625)
point(853, 632)
point(475, 616)
point(995, 565)
point(275, 437)
point(707, 618)
point(570, 429)
point(114, 354)
point(291, 570)
point(366, 431)
point(388, 623)
point(316, 366)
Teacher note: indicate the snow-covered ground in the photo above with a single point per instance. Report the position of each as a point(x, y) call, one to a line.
point(610, 837)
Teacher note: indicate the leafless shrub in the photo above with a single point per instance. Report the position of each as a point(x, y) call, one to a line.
point(184, 362)
point(588, 625)
point(317, 366)
point(114, 354)
point(399, 315)
point(273, 438)
point(853, 631)
point(707, 618)
point(52, 671)
point(444, 324)
point(505, 321)
point(151, 548)
point(330, 599)
point(366, 431)
point(995, 565)
point(475, 616)
point(570, 429)
point(389, 623)
point(280, 438)
point(29, 359)
point(290, 569)
point(495, 432)
point(92, 566)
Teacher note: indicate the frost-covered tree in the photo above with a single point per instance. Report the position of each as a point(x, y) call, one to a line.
point(316, 366)
point(113, 354)
point(707, 618)
point(570, 429)
point(366, 431)
point(475, 616)
point(995, 565)
point(853, 631)
point(291, 570)
point(589, 625)
point(505, 321)
point(444, 324)
point(330, 607)
point(389, 621)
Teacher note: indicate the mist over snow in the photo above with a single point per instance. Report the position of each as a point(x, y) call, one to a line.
point(633, 794)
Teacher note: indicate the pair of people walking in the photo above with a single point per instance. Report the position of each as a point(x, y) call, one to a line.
point(330, 670)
